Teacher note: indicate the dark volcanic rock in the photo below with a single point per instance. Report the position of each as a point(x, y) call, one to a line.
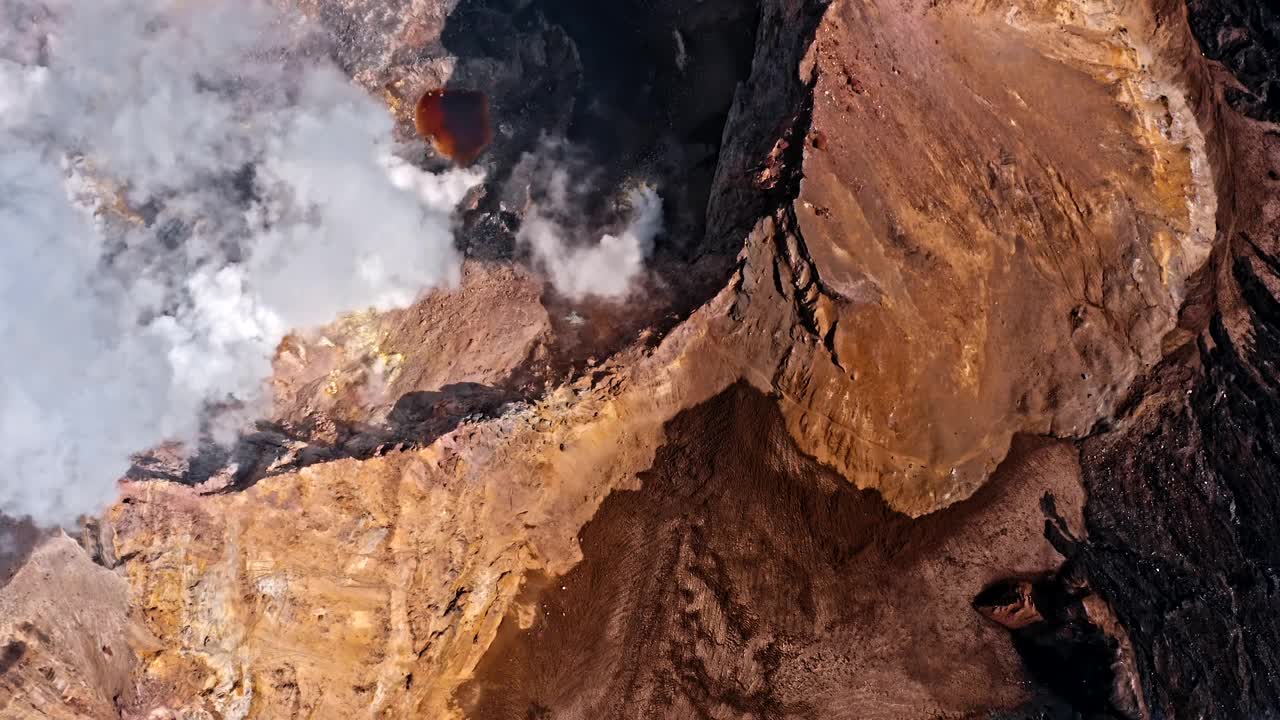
point(1244, 35)
point(640, 90)
point(1184, 505)
point(1183, 513)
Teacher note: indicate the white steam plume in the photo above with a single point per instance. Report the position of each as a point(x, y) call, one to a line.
point(263, 195)
point(606, 269)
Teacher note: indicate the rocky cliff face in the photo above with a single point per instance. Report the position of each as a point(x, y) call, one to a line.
point(936, 271)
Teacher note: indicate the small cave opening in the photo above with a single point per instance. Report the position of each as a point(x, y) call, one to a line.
point(1061, 646)
point(640, 90)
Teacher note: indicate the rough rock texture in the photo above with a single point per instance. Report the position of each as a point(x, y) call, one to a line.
point(442, 537)
point(1183, 500)
point(978, 175)
point(745, 580)
point(767, 485)
point(66, 642)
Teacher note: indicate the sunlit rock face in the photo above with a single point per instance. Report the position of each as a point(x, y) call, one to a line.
point(904, 238)
point(1003, 206)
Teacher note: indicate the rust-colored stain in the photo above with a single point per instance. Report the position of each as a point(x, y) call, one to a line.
point(456, 122)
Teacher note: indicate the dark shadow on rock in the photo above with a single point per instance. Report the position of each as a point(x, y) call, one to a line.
point(11, 654)
point(17, 539)
point(1061, 647)
point(425, 415)
point(1043, 707)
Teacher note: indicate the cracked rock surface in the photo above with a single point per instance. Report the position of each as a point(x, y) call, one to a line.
point(951, 393)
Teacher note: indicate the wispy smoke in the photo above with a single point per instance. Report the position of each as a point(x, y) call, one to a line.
point(8, 542)
point(581, 267)
point(180, 184)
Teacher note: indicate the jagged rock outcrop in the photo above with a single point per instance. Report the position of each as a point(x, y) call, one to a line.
point(768, 488)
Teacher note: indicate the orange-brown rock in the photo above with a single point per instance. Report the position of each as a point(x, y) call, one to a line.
point(998, 232)
point(401, 565)
point(947, 223)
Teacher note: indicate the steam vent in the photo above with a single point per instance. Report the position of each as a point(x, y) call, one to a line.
point(640, 360)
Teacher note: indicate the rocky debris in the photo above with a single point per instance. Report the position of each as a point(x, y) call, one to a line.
point(908, 232)
point(66, 640)
point(381, 43)
point(363, 387)
point(742, 579)
point(357, 369)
